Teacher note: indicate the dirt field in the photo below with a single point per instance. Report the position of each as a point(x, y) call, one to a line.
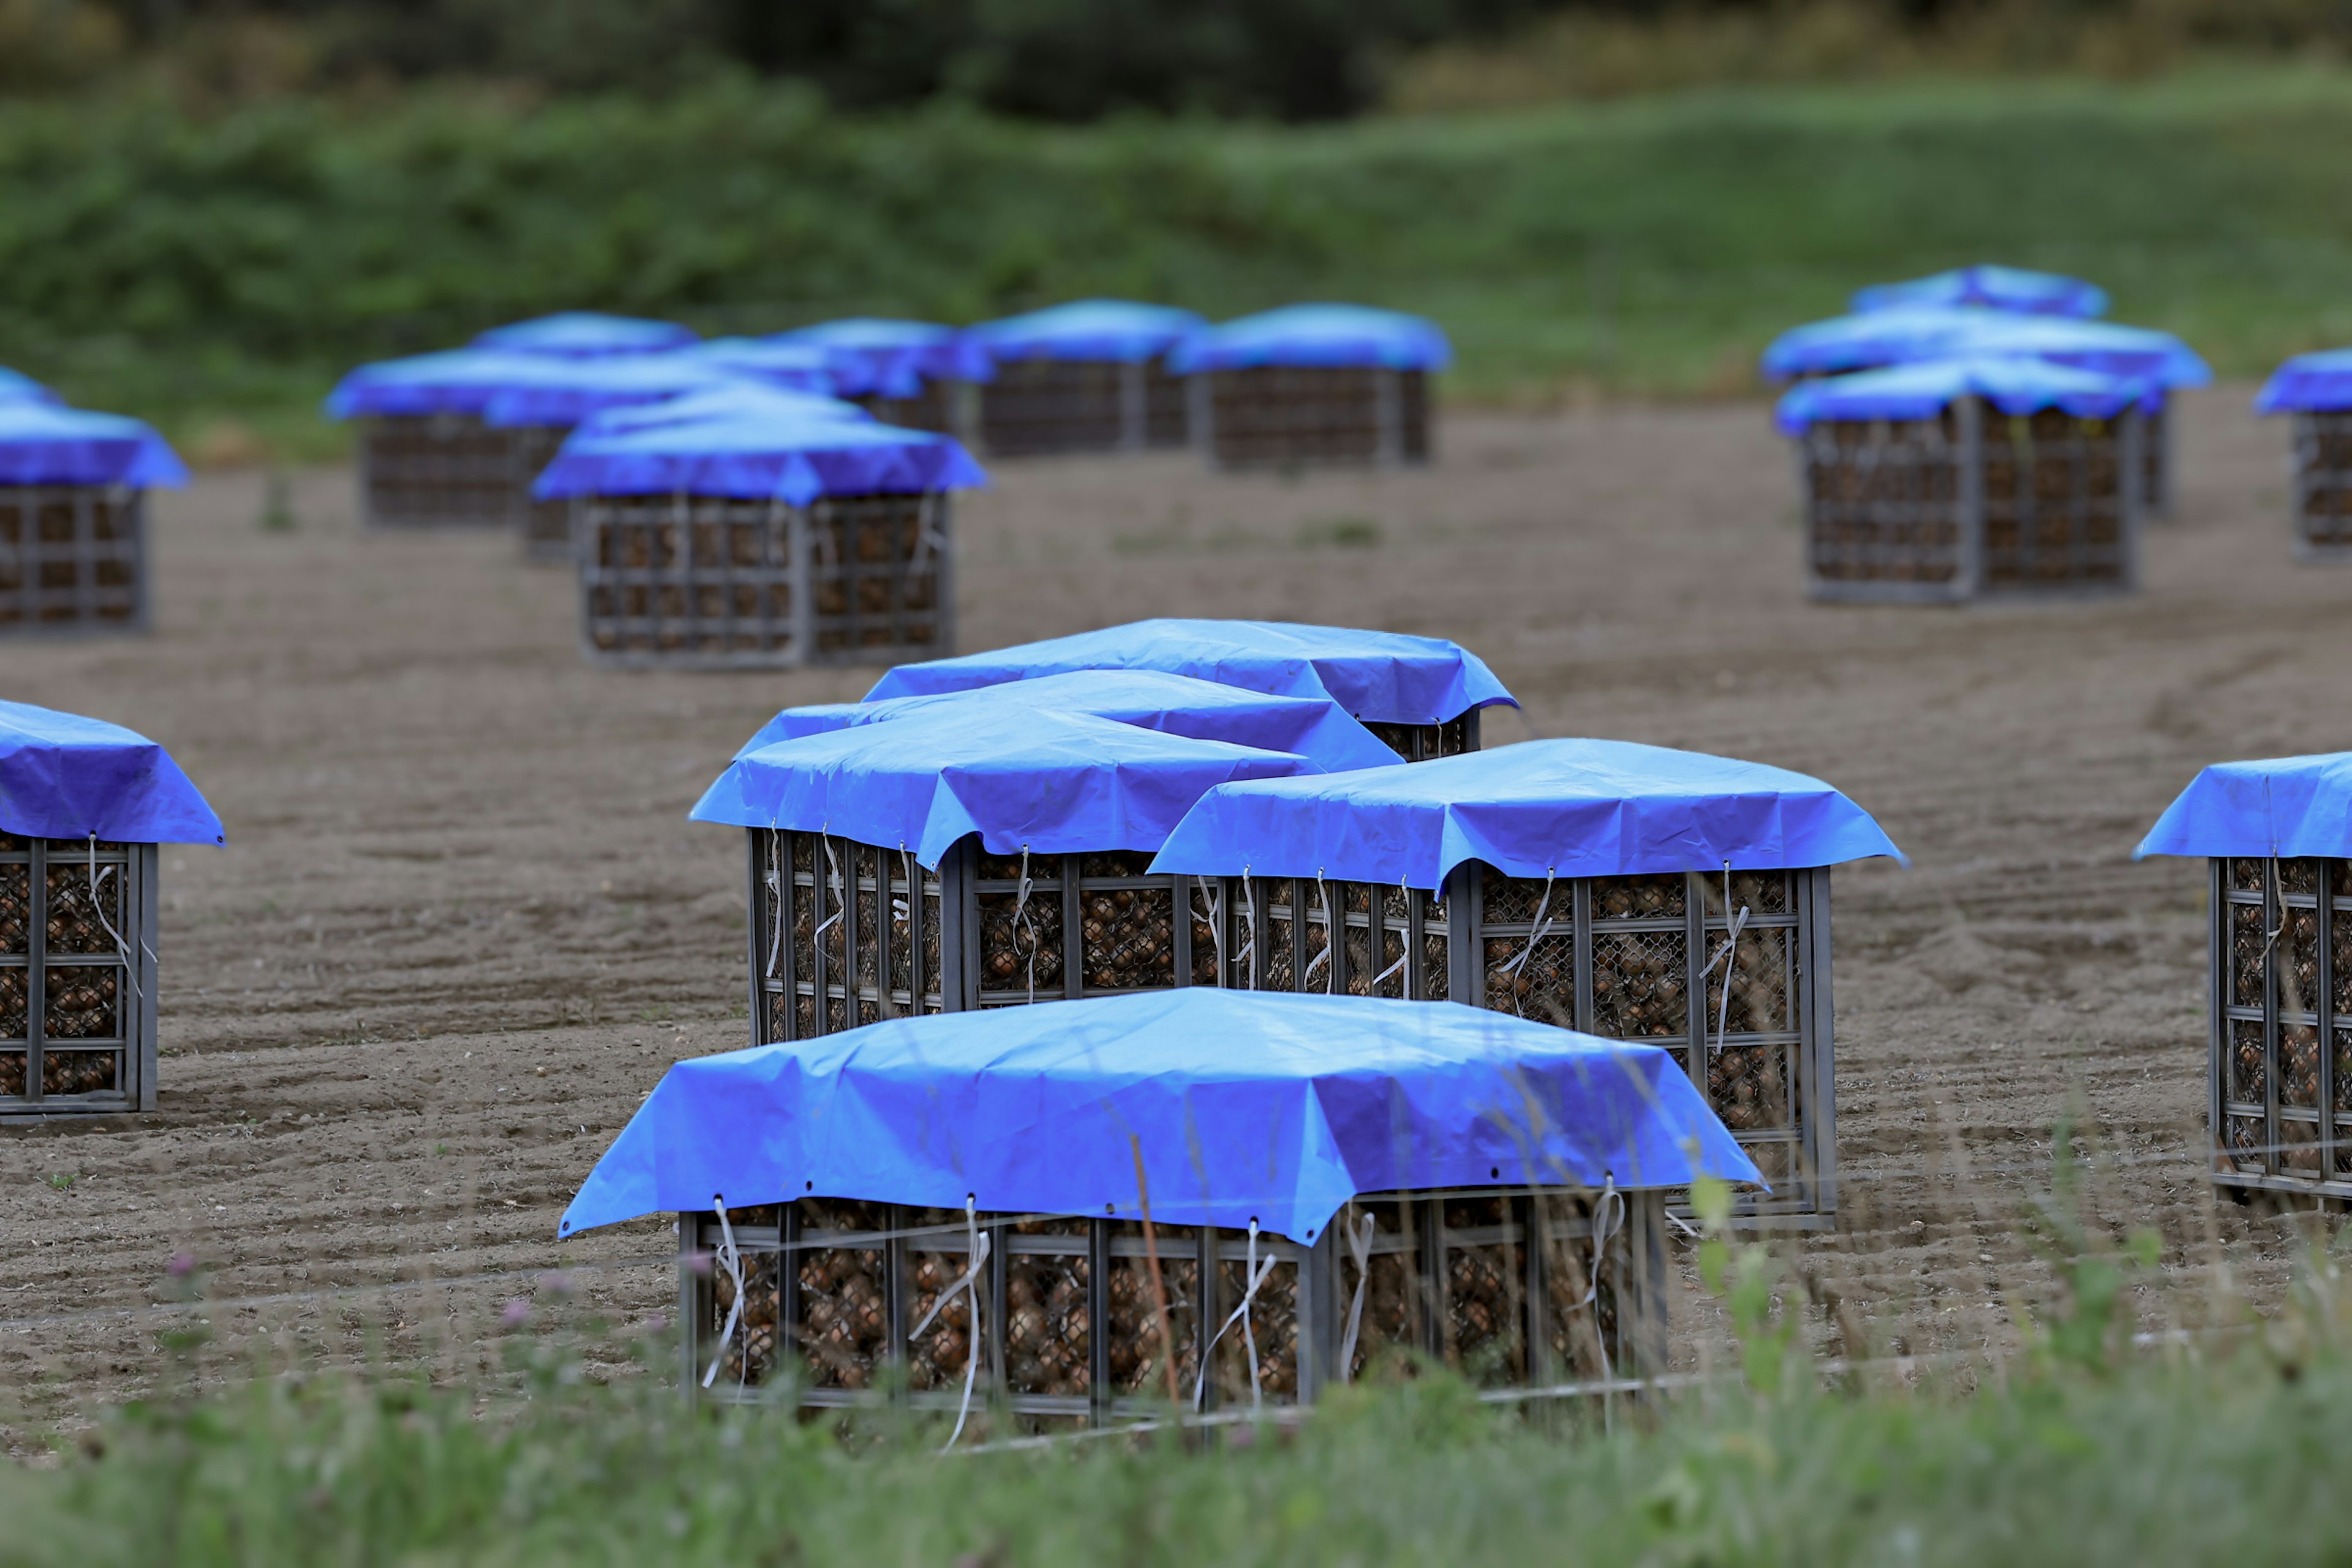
point(462, 923)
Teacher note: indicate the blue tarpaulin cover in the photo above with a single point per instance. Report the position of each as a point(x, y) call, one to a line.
point(797, 367)
point(1050, 783)
point(2283, 806)
point(454, 381)
point(16, 386)
point(587, 334)
point(1570, 808)
point(1381, 677)
point(726, 400)
point(581, 387)
point(48, 444)
point(1090, 330)
point(64, 776)
point(2005, 288)
point(2319, 383)
point(1317, 335)
point(1243, 1106)
point(1314, 728)
point(1913, 333)
point(760, 457)
point(876, 357)
point(1923, 391)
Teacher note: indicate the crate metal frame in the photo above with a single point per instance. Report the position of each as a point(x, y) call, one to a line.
point(731, 583)
point(2320, 464)
point(1934, 521)
point(28, 969)
point(1203, 1265)
point(1283, 416)
point(1045, 407)
point(2273, 922)
point(52, 586)
point(1408, 942)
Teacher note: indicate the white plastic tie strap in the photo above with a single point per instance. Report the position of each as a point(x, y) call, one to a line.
point(1216, 923)
point(1359, 1237)
point(1602, 1229)
point(98, 908)
point(1536, 934)
point(1254, 1275)
point(967, 1284)
point(833, 883)
point(776, 896)
point(1726, 955)
point(1022, 922)
point(1249, 932)
point(732, 1261)
point(1330, 936)
point(1404, 948)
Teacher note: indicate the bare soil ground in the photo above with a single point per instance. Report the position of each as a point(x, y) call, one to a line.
point(462, 923)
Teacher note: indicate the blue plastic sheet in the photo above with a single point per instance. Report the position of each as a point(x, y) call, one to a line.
point(2004, 287)
point(586, 335)
point(1910, 334)
point(1569, 808)
point(758, 456)
point(1380, 678)
point(1922, 391)
point(48, 444)
point(1317, 335)
point(1314, 728)
point(726, 401)
point(876, 357)
point(16, 386)
point(64, 776)
point(454, 381)
point(1242, 1106)
point(2315, 382)
point(795, 367)
point(2283, 806)
point(1090, 330)
point(583, 387)
point(1053, 783)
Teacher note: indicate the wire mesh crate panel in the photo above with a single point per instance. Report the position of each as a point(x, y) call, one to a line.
point(1398, 1304)
point(1582, 1322)
point(1883, 498)
point(1640, 984)
point(1272, 1321)
point(1049, 1309)
point(1753, 1031)
point(1423, 742)
point(1021, 946)
point(436, 470)
point(1167, 406)
point(72, 557)
point(2283, 947)
point(1276, 954)
point(2155, 453)
point(2323, 480)
point(75, 968)
point(1138, 1348)
point(832, 919)
point(15, 895)
point(1043, 406)
point(748, 1357)
point(1483, 1327)
point(933, 408)
point(937, 1358)
point(2248, 1061)
point(1278, 415)
point(844, 1290)
point(1127, 924)
point(546, 525)
point(875, 571)
point(1212, 919)
point(2054, 502)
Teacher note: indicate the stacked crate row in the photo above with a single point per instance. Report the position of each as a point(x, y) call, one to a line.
point(73, 515)
point(1975, 435)
point(2317, 390)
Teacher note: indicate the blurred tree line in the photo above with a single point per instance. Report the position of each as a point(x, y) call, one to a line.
point(1079, 60)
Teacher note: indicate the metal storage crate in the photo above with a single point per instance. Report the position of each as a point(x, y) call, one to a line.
point(1427, 743)
point(77, 977)
point(73, 559)
point(1971, 504)
point(1295, 416)
point(1499, 1283)
point(2280, 1095)
point(1618, 956)
point(545, 525)
point(716, 583)
point(1038, 407)
point(2323, 486)
point(845, 934)
point(942, 408)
